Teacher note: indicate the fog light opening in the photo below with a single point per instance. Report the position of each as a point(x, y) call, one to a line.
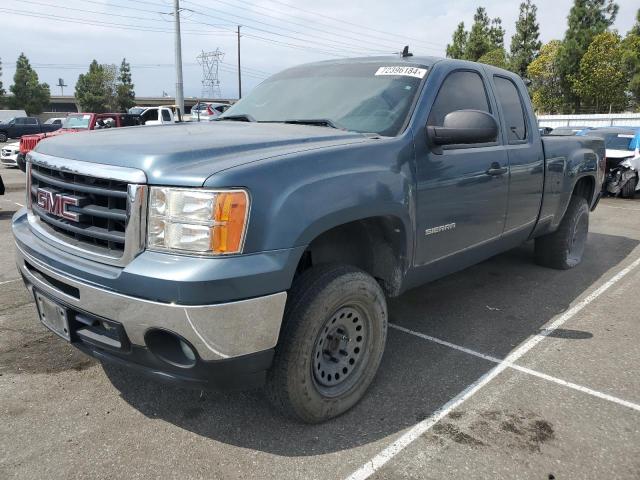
point(170, 348)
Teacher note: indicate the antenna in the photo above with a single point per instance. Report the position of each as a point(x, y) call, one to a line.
point(61, 84)
point(210, 62)
point(405, 52)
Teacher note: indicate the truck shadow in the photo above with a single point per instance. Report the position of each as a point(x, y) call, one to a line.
point(491, 307)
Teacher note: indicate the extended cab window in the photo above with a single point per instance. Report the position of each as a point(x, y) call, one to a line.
point(462, 90)
point(512, 110)
point(165, 115)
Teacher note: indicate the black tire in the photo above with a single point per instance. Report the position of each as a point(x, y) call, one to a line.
point(629, 188)
point(563, 249)
point(327, 304)
point(3, 137)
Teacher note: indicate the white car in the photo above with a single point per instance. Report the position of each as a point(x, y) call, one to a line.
point(9, 154)
point(205, 111)
point(55, 121)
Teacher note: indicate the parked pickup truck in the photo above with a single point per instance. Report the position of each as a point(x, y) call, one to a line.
point(19, 126)
point(78, 122)
point(261, 248)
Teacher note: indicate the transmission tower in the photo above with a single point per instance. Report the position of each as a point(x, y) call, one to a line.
point(210, 62)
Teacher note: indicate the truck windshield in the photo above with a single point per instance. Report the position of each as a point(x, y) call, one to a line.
point(361, 97)
point(77, 121)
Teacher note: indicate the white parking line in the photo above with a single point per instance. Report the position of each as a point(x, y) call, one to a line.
point(10, 281)
point(11, 201)
point(559, 381)
point(620, 208)
point(425, 425)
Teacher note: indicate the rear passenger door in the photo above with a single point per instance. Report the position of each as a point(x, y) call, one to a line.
point(526, 158)
point(31, 126)
point(462, 189)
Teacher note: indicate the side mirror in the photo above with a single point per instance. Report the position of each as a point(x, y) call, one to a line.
point(464, 127)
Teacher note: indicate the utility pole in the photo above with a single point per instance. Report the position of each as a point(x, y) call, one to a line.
point(178, 50)
point(239, 72)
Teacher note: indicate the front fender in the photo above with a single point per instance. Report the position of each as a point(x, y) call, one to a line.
point(295, 198)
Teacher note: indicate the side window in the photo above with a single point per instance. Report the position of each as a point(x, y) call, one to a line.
point(514, 117)
point(21, 121)
point(32, 121)
point(461, 90)
point(151, 115)
point(165, 115)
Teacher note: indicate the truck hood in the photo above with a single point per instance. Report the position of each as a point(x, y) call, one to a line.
point(187, 154)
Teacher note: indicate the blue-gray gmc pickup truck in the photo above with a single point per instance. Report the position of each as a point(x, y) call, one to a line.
point(259, 249)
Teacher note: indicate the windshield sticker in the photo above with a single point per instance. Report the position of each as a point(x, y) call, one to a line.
point(86, 117)
point(404, 71)
point(624, 135)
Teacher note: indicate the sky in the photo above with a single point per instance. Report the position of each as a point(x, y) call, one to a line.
point(61, 37)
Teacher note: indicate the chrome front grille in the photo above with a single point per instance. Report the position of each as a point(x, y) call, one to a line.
point(106, 217)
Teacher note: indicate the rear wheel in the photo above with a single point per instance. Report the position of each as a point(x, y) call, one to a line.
point(629, 189)
point(331, 343)
point(3, 137)
point(563, 249)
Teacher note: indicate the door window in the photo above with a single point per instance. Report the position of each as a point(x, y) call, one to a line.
point(512, 111)
point(461, 90)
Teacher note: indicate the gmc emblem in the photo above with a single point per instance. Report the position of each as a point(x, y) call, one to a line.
point(57, 203)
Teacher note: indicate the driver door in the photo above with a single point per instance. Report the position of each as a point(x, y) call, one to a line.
point(462, 189)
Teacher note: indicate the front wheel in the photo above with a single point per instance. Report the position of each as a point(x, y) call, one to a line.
point(3, 137)
point(629, 188)
point(563, 249)
point(331, 343)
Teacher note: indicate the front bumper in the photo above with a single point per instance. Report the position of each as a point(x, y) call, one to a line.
point(9, 160)
point(217, 332)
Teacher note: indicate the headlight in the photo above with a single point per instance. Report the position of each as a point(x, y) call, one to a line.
point(197, 221)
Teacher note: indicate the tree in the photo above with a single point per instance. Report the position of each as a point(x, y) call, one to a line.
point(496, 57)
point(125, 96)
point(458, 45)
point(496, 34)
point(525, 43)
point(587, 19)
point(601, 81)
point(631, 60)
point(546, 87)
point(93, 90)
point(485, 35)
point(28, 93)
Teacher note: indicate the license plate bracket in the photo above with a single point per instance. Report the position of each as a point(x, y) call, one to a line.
point(53, 315)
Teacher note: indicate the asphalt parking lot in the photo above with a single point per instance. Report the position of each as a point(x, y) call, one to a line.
point(504, 370)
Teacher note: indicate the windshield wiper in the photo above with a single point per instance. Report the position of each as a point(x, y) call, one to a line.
point(242, 117)
point(320, 122)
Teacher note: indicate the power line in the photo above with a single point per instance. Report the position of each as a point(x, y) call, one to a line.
point(333, 44)
point(31, 2)
point(112, 25)
point(317, 14)
point(385, 43)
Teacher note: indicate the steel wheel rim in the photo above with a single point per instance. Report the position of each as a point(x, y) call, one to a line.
point(341, 350)
point(578, 240)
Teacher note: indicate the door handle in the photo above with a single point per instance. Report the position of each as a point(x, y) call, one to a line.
point(495, 170)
